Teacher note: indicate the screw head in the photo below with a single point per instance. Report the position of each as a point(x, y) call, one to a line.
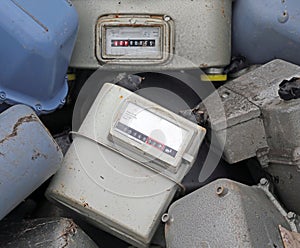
point(38, 107)
point(221, 191)
point(283, 17)
point(225, 95)
point(263, 181)
point(165, 218)
point(291, 215)
point(2, 95)
point(167, 18)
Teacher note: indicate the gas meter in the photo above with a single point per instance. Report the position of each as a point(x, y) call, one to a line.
point(125, 164)
point(153, 35)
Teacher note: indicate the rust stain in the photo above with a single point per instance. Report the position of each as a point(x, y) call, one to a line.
point(22, 120)
point(289, 239)
point(84, 203)
point(167, 227)
point(121, 97)
point(203, 65)
point(223, 12)
point(156, 17)
point(68, 232)
point(38, 154)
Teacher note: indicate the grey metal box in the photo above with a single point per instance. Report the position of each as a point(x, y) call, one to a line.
point(225, 214)
point(200, 36)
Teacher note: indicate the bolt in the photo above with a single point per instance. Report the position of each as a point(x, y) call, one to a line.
point(225, 95)
point(38, 107)
point(264, 182)
point(221, 191)
point(2, 95)
point(291, 215)
point(132, 21)
point(69, 2)
point(63, 101)
point(165, 218)
point(283, 17)
point(167, 18)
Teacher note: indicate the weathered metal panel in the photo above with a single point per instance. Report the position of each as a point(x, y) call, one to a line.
point(261, 124)
point(224, 213)
point(37, 39)
point(44, 232)
point(28, 156)
point(202, 30)
point(264, 30)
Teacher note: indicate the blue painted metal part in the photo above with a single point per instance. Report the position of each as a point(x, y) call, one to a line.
point(28, 156)
point(264, 30)
point(37, 38)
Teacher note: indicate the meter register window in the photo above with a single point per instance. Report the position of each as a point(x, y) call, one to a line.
point(146, 127)
point(139, 41)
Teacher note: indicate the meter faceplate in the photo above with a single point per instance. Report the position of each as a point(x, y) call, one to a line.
point(127, 39)
point(150, 130)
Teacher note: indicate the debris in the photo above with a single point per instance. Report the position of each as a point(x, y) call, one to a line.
point(128, 81)
point(289, 89)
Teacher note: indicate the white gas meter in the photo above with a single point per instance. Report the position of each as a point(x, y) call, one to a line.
point(126, 163)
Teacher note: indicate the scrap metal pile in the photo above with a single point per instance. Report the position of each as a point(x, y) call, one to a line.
point(133, 124)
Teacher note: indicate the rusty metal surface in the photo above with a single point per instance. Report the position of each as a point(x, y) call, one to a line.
point(28, 156)
point(19, 122)
point(44, 232)
point(224, 214)
point(289, 239)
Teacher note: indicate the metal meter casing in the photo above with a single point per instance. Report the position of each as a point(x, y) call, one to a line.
point(113, 190)
point(201, 35)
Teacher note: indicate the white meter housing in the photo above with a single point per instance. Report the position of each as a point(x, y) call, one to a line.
point(124, 166)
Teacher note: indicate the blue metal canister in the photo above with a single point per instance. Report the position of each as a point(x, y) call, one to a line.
point(37, 40)
point(265, 30)
point(28, 156)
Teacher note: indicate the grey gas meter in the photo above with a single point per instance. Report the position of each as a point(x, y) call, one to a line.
point(153, 35)
point(126, 163)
